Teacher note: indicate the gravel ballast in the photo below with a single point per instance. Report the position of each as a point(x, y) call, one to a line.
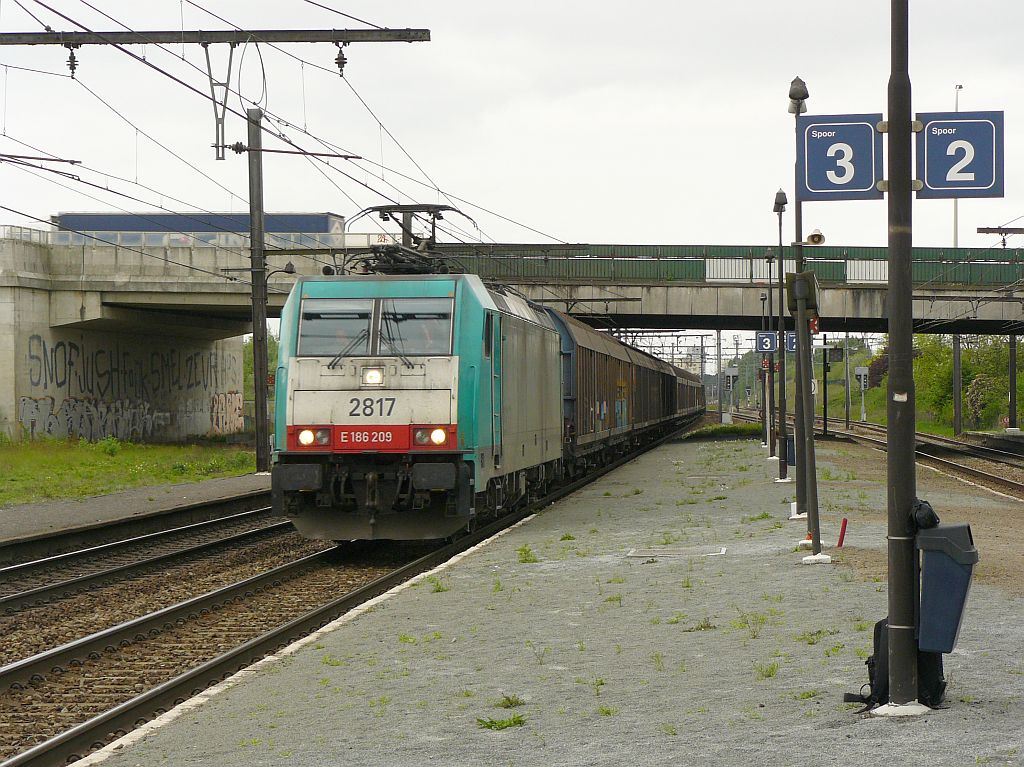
point(667, 619)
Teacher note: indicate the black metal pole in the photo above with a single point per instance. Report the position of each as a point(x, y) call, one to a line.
point(259, 291)
point(824, 386)
point(808, 469)
point(802, 352)
point(846, 372)
point(958, 387)
point(783, 456)
point(1013, 381)
point(771, 370)
point(901, 405)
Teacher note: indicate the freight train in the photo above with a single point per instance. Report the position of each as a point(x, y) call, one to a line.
point(412, 407)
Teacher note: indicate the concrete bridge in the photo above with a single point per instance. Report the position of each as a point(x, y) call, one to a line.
point(142, 340)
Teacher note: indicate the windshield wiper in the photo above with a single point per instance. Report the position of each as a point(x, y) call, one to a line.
point(348, 349)
point(398, 352)
point(386, 337)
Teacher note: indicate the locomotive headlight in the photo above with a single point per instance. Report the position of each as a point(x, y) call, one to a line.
point(421, 436)
point(309, 437)
point(438, 436)
point(373, 376)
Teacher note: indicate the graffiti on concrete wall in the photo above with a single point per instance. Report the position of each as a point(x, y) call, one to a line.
point(121, 371)
point(132, 391)
point(226, 413)
point(90, 419)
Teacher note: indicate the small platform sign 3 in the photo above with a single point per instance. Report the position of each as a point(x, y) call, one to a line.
point(767, 341)
point(839, 157)
point(960, 154)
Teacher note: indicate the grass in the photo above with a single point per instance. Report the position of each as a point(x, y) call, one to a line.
point(813, 637)
point(510, 701)
point(526, 555)
point(766, 671)
point(726, 430)
point(516, 720)
point(48, 469)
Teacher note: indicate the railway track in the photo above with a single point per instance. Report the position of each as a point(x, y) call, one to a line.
point(38, 581)
point(59, 704)
point(929, 449)
point(87, 536)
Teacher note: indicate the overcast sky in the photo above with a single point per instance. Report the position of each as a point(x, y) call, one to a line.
point(641, 122)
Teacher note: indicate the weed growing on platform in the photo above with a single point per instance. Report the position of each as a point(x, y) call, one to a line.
point(406, 639)
point(813, 637)
point(615, 599)
point(766, 671)
point(497, 587)
point(510, 701)
point(834, 650)
point(595, 684)
point(607, 711)
point(752, 622)
point(704, 625)
point(669, 729)
point(516, 720)
point(526, 555)
point(436, 585)
point(540, 653)
point(659, 661)
point(806, 695)
point(762, 515)
point(567, 537)
point(380, 704)
point(677, 618)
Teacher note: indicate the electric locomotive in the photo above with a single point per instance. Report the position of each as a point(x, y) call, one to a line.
point(410, 407)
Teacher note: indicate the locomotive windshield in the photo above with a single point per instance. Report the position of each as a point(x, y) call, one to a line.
point(335, 327)
point(416, 326)
point(400, 327)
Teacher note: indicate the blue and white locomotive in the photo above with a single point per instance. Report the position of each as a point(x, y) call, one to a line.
point(410, 407)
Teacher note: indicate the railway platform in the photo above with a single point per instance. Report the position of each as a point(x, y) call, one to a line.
point(32, 521)
point(661, 615)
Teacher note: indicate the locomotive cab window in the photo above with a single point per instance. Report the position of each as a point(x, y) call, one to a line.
point(335, 327)
point(416, 326)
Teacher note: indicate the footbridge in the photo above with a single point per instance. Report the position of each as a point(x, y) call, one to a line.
point(138, 334)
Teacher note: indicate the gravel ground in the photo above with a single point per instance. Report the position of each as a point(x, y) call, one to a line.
point(667, 620)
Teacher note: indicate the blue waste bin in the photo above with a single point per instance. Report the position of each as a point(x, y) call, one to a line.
point(948, 557)
point(790, 450)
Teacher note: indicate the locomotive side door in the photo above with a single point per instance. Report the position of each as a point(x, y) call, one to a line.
point(496, 358)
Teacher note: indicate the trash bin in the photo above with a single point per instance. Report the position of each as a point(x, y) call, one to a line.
point(948, 557)
point(790, 450)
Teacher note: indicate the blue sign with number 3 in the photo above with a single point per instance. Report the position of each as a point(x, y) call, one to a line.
point(839, 157)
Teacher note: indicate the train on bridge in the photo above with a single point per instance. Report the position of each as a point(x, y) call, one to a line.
point(414, 407)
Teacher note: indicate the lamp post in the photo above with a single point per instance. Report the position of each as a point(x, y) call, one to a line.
point(780, 208)
point(798, 96)
point(770, 257)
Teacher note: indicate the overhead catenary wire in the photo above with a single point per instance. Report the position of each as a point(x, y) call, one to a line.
point(205, 96)
point(362, 101)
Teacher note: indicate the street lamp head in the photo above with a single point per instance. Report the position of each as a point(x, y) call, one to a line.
point(798, 90)
point(780, 201)
point(769, 256)
point(797, 96)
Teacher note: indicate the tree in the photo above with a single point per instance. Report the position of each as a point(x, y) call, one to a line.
point(249, 386)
